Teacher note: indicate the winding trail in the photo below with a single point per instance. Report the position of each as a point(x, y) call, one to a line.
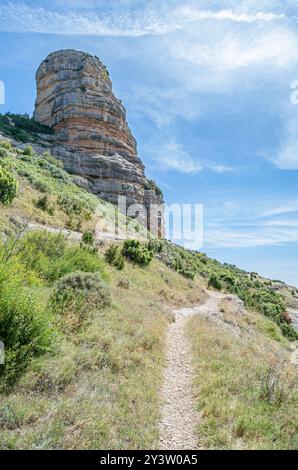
point(179, 417)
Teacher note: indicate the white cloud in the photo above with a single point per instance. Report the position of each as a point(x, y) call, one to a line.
point(19, 17)
point(222, 237)
point(236, 51)
point(287, 157)
point(172, 156)
point(247, 225)
point(161, 105)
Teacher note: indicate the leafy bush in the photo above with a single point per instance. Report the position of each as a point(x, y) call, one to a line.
point(24, 323)
point(88, 238)
point(76, 294)
point(24, 129)
point(28, 151)
point(8, 185)
point(137, 252)
point(51, 257)
point(40, 186)
point(214, 282)
point(114, 257)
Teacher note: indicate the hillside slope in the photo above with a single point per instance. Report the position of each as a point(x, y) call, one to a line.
point(85, 337)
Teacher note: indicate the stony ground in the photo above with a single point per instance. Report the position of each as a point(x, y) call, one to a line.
point(179, 417)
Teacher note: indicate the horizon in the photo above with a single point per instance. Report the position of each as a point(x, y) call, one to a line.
point(216, 117)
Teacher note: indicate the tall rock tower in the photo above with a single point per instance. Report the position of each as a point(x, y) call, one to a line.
point(92, 137)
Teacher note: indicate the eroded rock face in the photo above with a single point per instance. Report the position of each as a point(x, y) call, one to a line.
point(75, 99)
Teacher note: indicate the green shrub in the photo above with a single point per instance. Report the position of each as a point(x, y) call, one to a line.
point(76, 210)
point(28, 151)
point(8, 185)
point(114, 257)
point(24, 323)
point(76, 294)
point(137, 252)
point(51, 257)
point(214, 282)
point(44, 204)
point(40, 186)
point(5, 144)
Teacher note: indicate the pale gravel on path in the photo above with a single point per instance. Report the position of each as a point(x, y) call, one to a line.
point(179, 417)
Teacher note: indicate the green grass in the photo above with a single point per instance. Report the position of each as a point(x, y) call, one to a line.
point(72, 207)
point(94, 383)
point(22, 128)
point(246, 390)
point(99, 389)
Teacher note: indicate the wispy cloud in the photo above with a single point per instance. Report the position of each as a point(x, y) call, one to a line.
point(287, 156)
point(172, 156)
point(234, 228)
point(18, 17)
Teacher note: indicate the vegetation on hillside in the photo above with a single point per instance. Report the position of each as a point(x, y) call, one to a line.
point(92, 374)
point(246, 388)
point(22, 128)
point(51, 195)
point(84, 347)
point(249, 287)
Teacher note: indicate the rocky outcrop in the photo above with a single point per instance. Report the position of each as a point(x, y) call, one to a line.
point(92, 137)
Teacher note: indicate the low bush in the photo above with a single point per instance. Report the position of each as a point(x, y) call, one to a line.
point(137, 252)
point(51, 257)
point(114, 257)
point(8, 185)
point(25, 325)
point(28, 151)
point(45, 205)
point(88, 238)
point(214, 282)
point(76, 210)
point(276, 385)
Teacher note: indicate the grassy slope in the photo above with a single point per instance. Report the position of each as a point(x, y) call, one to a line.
point(39, 176)
point(246, 388)
point(100, 388)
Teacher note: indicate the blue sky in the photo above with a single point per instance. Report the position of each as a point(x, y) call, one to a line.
point(207, 87)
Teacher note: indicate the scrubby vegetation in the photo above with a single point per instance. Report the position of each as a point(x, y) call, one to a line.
point(78, 328)
point(8, 182)
point(25, 325)
point(246, 390)
point(51, 257)
point(137, 252)
point(92, 334)
point(76, 294)
point(114, 256)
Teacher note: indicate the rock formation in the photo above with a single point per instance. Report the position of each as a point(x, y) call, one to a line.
point(75, 99)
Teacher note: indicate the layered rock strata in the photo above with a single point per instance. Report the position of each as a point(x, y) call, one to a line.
point(92, 137)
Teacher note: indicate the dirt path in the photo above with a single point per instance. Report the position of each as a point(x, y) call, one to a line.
point(178, 413)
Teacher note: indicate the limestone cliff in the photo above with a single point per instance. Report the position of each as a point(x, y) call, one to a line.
point(75, 99)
